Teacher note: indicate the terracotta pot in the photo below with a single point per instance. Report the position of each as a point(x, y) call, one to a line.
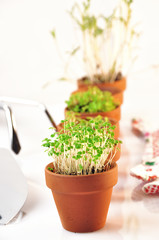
point(112, 121)
point(114, 114)
point(82, 201)
point(116, 92)
point(121, 84)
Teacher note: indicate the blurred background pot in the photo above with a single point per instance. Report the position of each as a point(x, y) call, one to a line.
point(120, 84)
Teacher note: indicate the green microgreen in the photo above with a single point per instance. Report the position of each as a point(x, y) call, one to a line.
point(93, 100)
point(82, 147)
point(50, 169)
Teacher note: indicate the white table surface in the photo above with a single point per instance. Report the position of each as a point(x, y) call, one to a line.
point(132, 214)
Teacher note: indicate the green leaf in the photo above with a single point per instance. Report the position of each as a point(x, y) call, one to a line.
point(98, 31)
point(74, 51)
point(80, 167)
point(62, 79)
point(51, 169)
point(53, 33)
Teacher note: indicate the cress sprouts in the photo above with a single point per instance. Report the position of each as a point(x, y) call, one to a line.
point(73, 117)
point(82, 149)
point(93, 100)
point(107, 43)
point(107, 40)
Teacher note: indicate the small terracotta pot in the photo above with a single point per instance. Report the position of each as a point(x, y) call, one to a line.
point(121, 84)
point(114, 114)
point(116, 92)
point(112, 121)
point(82, 201)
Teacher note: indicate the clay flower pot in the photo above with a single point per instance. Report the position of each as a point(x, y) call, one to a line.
point(116, 92)
point(82, 201)
point(120, 84)
point(114, 114)
point(112, 121)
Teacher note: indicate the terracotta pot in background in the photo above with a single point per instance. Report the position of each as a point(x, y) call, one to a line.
point(82, 201)
point(112, 121)
point(120, 84)
point(114, 114)
point(116, 92)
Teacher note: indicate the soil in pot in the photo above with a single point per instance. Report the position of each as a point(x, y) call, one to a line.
point(82, 201)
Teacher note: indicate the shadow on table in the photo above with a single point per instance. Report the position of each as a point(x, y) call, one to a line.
point(150, 201)
point(111, 229)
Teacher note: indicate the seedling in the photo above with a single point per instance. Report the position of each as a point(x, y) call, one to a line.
point(93, 100)
point(82, 149)
point(107, 43)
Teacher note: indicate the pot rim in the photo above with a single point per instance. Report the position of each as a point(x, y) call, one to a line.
point(102, 88)
point(80, 184)
point(122, 79)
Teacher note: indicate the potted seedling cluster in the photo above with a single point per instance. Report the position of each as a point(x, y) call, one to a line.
point(116, 92)
point(93, 102)
point(107, 44)
point(82, 173)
